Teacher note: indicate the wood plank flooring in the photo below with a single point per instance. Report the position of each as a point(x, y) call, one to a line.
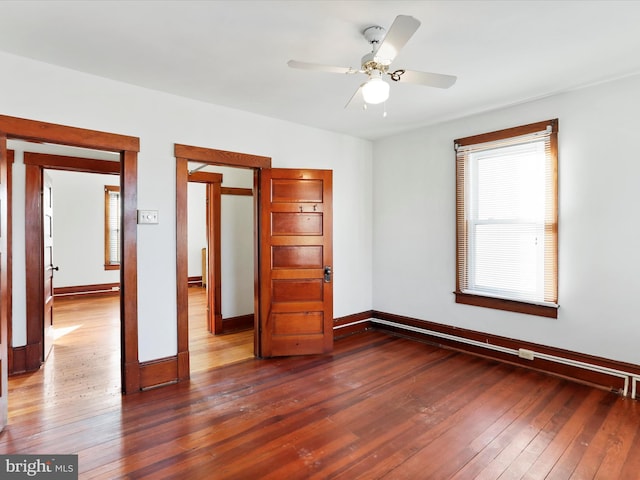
point(208, 351)
point(378, 407)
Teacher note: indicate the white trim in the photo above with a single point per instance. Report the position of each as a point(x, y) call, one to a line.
point(336, 327)
point(627, 376)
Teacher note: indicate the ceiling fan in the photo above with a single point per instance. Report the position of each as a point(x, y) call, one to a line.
point(376, 65)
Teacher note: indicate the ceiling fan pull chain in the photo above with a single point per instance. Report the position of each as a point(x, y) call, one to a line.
point(395, 76)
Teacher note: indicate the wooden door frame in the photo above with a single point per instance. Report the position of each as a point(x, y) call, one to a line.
point(127, 147)
point(7, 195)
point(213, 183)
point(184, 154)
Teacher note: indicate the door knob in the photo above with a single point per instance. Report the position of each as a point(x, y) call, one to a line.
point(327, 274)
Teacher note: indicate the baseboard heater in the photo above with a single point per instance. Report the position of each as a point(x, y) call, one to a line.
point(630, 379)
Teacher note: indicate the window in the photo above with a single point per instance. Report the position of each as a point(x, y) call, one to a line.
point(111, 227)
point(507, 219)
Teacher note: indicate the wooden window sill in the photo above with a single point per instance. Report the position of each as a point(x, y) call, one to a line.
point(508, 305)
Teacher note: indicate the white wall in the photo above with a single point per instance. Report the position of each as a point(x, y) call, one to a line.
point(39, 91)
point(196, 226)
point(78, 228)
point(236, 246)
point(236, 242)
point(599, 177)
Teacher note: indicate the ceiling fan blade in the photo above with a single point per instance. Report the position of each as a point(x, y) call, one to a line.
point(437, 80)
point(356, 100)
point(320, 68)
point(401, 30)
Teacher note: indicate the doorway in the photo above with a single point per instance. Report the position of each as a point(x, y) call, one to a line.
point(86, 317)
point(30, 356)
point(221, 283)
point(293, 254)
point(80, 230)
point(220, 196)
point(204, 156)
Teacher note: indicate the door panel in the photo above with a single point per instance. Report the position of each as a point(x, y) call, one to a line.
point(286, 223)
point(297, 323)
point(298, 190)
point(297, 257)
point(47, 238)
point(297, 290)
point(296, 298)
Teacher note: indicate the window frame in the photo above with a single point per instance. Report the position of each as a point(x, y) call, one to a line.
point(549, 307)
point(108, 190)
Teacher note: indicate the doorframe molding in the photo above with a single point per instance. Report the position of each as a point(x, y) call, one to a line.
point(127, 147)
point(209, 156)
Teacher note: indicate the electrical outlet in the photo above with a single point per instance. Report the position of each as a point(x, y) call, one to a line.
point(147, 216)
point(526, 354)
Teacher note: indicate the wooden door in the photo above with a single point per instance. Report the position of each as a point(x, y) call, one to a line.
point(47, 239)
point(296, 278)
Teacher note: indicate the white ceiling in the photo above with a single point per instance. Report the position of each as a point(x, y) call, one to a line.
point(235, 53)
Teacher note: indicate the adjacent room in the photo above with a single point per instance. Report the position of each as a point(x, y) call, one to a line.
point(314, 239)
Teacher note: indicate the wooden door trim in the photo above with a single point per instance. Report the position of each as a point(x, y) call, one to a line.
point(212, 156)
point(5, 291)
point(214, 260)
point(245, 192)
point(182, 268)
point(184, 154)
point(36, 131)
point(127, 147)
point(9, 246)
point(72, 164)
point(205, 177)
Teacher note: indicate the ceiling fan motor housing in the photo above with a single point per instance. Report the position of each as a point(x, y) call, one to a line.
point(374, 34)
point(371, 62)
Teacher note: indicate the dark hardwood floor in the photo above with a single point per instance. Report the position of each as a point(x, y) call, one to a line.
point(378, 407)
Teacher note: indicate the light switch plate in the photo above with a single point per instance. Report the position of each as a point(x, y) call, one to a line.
point(147, 217)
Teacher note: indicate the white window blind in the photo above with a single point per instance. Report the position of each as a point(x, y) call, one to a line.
point(112, 225)
point(507, 214)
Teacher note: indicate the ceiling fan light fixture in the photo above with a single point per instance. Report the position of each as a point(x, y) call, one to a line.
point(375, 91)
